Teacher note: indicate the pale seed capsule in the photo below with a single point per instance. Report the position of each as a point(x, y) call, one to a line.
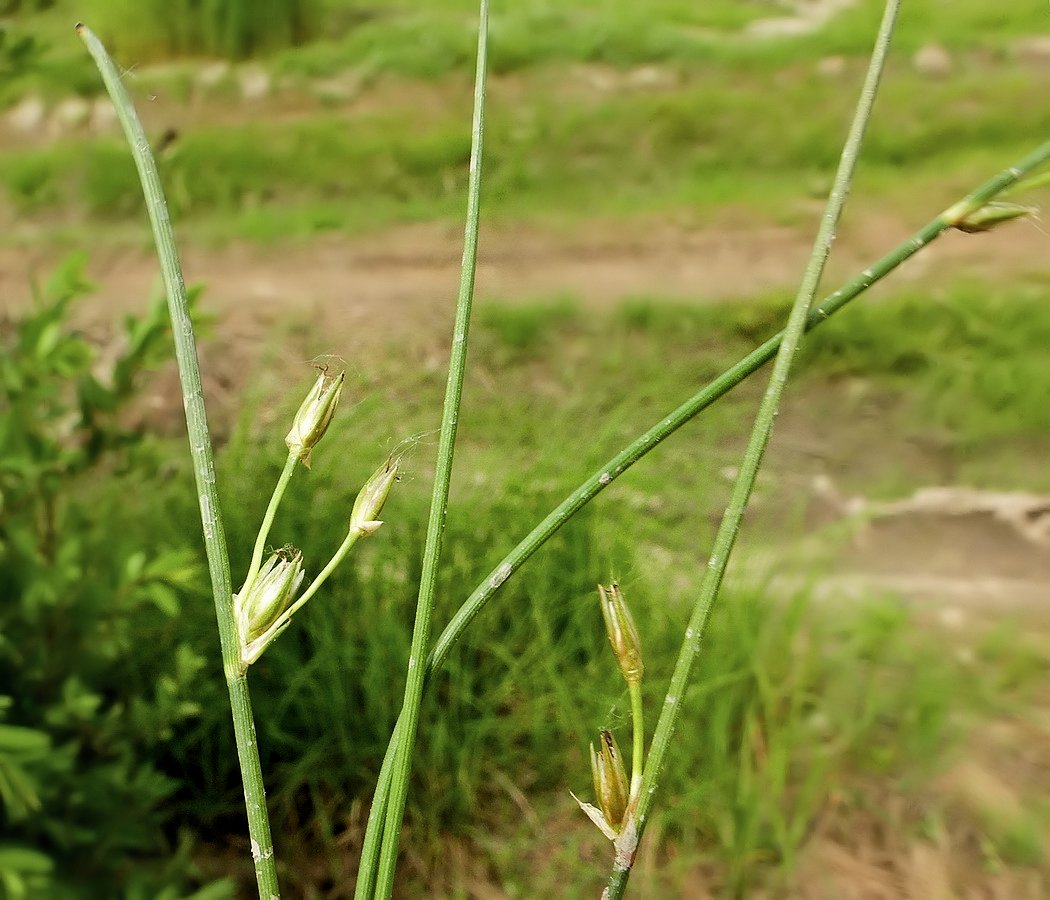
point(272, 591)
point(370, 500)
point(610, 780)
point(314, 415)
point(623, 635)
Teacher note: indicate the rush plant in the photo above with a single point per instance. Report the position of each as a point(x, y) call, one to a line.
point(250, 620)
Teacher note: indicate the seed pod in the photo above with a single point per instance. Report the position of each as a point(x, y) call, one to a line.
point(372, 497)
point(623, 636)
point(272, 591)
point(610, 780)
point(990, 216)
point(311, 421)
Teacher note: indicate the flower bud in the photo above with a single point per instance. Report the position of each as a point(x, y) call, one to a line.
point(610, 780)
point(623, 636)
point(272, 591)
point(372, 497)
point(991, 215)
point(311, 421)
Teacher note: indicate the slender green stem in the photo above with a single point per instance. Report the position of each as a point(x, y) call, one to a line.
point(267, 522)
point(366, 874)
point(203, 468)
point(601, 478)
point(752, 460)
point(638, 724)
point(352, 537)
point(1029, 184)
point(442, 477)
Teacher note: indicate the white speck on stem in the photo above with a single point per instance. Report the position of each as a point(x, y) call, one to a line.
point(411, 663)
point(256, 850)
point(500, 575)
point(671, 700)
point(605, 478)
point(689, 634)
point(207, 516)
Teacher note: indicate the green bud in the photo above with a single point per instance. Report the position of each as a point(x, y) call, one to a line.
point(370, 501)
point(610, 780)
point(990, 216)
point(623, 636)
point(272, 591)
point(311, 422)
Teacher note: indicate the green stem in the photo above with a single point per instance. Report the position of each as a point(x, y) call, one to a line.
point(725, 539)
point(366, 874)
point(442, 477)
point(267, 522)
point(601, 478)
point(352, 537)
point(635, 689)
point(203, 468)
point(1029, 184)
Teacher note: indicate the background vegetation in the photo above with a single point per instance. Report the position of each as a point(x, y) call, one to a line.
point(822, 718)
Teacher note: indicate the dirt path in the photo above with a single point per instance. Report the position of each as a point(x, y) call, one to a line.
point(400, 284)
point(806, 17)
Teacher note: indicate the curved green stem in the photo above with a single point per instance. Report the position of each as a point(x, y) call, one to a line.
point(402, 764)
point(729, 528)
point(638, 755)
point(1029, 184)
point(203, 469)
point(602, 477)
point(267, 522)
point(352, 537)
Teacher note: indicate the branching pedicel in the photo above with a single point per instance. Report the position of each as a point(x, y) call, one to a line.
point(264, 606)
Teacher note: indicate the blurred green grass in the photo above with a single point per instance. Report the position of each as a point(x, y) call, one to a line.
point(721, 121)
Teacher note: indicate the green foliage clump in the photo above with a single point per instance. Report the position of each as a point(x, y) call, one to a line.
point(967, 356)
point(529, 328)
point(88, 693)
point(237, 29)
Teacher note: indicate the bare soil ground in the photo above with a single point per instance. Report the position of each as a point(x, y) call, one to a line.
point(400, 284)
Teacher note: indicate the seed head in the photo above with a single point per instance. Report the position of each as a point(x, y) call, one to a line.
point(610, 780)
point(623, 636)
point(311, 421)
point(261, 603)
point(990, 216)
point(370, 501)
